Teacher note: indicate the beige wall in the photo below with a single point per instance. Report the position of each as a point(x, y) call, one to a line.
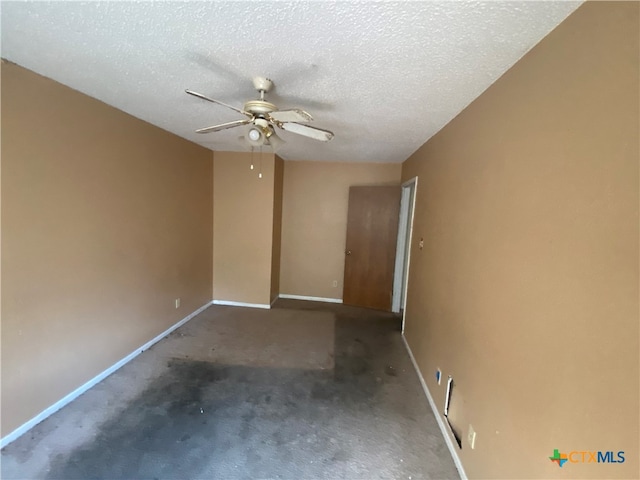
point(314, 222)
point(106, 220)
point(243, 227)
point(277, 227)
point(526, 290)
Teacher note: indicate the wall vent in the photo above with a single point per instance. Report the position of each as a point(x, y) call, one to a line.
point(447, 411)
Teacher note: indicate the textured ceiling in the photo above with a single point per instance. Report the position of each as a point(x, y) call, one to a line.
point(384, 77)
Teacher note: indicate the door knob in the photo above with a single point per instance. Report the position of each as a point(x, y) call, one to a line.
point(348, 252)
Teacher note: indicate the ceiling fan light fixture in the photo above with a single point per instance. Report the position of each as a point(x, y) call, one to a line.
point(254, 134)
point(274, 140)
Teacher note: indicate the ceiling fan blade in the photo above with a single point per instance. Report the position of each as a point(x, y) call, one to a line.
point(223, 126)
point(293, 115)
point(275, 141)
point(204, 97)
point(307, 131)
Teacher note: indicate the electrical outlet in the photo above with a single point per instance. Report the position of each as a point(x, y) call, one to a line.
point(471, 437)
point(438, 376)
point(177, 303)
point(335, 283)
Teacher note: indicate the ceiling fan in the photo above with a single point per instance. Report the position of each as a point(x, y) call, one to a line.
point(263, 117)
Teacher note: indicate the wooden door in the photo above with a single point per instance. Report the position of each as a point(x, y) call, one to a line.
point(372, 234)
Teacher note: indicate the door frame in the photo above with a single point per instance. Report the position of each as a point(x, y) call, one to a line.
point(403, 248)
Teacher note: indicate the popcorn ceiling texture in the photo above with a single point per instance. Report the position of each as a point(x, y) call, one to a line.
point(385, 77)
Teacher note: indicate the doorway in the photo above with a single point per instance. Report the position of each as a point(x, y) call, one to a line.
point(403, 248)
point(372, 232)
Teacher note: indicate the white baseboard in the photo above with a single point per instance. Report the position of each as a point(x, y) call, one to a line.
point(242, 304)
point(313, 299)
point(443, 428)
point(21, 430)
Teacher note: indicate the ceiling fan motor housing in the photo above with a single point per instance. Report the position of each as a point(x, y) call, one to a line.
point(259, 107)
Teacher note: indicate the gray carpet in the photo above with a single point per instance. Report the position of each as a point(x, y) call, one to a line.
point(302, 391)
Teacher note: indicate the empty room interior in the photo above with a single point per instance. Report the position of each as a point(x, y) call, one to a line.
point(320, 240)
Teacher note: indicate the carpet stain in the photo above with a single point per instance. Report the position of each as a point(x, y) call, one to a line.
point(174, 429)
